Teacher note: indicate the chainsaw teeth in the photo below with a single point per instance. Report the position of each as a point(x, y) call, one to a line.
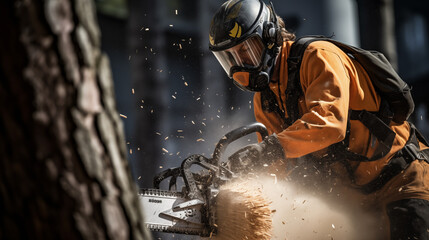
point(163, 228)
point(159, 193)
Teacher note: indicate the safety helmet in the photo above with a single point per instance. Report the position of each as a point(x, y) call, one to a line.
point(244, 37)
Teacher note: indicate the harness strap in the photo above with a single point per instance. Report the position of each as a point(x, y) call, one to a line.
point(270, 104)
point(400, 161)
point(293, 88)
point(379, 129)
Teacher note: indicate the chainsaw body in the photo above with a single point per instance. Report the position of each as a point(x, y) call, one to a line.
point(192, 210)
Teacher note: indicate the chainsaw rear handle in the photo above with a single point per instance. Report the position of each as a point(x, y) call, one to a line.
point(234, 135)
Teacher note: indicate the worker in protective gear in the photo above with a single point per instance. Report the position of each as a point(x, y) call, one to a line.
point(252, 45)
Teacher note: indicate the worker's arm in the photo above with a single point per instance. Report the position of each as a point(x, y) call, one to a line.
point(325, 84)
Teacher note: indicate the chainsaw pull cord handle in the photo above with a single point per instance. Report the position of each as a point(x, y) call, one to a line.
point(234, 135)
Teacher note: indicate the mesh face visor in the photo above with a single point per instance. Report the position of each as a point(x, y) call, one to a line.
point(248, 53)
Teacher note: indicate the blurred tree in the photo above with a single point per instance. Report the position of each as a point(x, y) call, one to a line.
point(377, 27)
point(63, 169)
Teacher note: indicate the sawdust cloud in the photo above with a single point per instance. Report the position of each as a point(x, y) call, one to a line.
point(297, 214)
point(242, 213)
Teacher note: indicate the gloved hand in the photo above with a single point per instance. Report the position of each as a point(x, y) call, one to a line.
point(254, 156)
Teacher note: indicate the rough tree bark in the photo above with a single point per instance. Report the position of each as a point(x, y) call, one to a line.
point(63, 167)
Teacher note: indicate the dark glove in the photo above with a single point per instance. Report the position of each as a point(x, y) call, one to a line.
point(254, 156)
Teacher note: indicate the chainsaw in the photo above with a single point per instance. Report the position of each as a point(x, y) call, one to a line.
point(191, 211)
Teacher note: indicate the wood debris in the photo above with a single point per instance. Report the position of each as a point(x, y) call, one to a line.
point(243, 213)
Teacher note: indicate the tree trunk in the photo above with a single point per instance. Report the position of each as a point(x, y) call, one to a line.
point(63, 169)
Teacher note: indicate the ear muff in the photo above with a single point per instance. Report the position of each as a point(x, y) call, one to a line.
point(271, 34)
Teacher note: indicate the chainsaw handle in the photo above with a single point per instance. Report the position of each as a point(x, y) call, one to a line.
point(234, 135)
point(188, 178)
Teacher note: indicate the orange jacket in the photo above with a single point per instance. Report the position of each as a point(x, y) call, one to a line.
point(332, 84)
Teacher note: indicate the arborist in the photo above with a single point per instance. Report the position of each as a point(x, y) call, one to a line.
point(323, 102)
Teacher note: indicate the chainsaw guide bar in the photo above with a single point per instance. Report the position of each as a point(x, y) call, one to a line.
point(167, 215)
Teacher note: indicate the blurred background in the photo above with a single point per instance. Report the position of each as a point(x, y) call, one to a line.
point(175, 99)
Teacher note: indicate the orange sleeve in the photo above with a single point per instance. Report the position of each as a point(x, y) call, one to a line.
point(326, 84)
